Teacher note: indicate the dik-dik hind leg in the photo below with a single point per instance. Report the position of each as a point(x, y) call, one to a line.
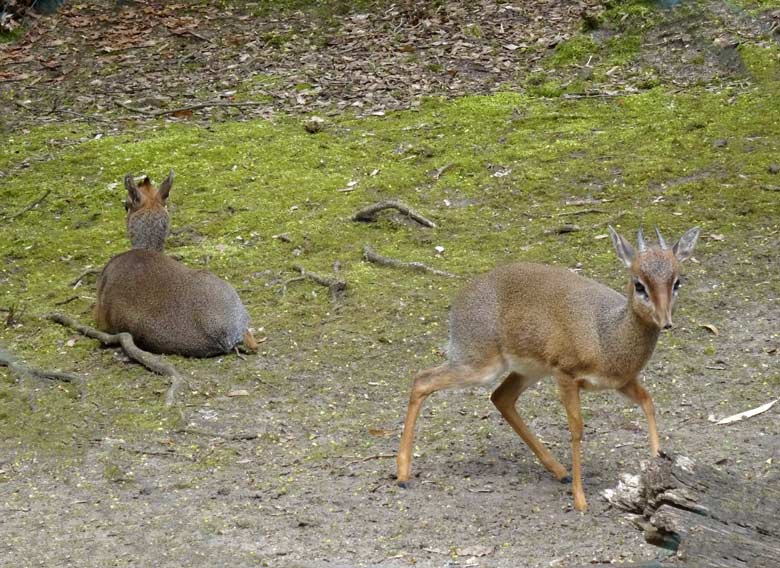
point(425, 383)
point(636, 392)
point(504, 398)
point(570, 397)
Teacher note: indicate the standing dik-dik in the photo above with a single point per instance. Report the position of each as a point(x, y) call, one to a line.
point(165, 306)
point(532, 321)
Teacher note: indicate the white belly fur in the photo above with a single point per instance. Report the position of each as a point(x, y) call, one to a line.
point(529, 368)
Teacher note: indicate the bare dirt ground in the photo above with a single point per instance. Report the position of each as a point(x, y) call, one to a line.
point(479, 497)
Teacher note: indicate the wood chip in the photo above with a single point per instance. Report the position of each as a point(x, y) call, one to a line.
point(746, 414)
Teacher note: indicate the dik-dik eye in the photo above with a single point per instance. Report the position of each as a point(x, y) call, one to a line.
point(640, 289)
point(676, 285)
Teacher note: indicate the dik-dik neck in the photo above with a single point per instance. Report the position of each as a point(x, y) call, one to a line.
point(634, 338)
point(148, 229)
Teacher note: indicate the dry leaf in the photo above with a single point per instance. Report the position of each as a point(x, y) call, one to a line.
point(711, 328)
point(239, 392)
point(380, 432)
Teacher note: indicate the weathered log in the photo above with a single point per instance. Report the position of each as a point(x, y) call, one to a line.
point(709, 517)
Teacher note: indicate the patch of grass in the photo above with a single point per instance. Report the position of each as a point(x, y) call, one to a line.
point(763, 63)
point(621, 49)
point(12, 36)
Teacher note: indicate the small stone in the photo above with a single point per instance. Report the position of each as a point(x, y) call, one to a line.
point(720, 143)
point(314, 125)
point(774, 169)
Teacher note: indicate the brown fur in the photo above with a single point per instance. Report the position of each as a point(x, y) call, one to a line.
point(165, 306)
point(532, 320)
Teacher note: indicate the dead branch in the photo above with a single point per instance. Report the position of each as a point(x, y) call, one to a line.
point(371, 256)
point(66, 301)
point(125, 340)
point(369, 213)
point(21, 370)
point(336, 286)
point(196, 106)
point(31, 205)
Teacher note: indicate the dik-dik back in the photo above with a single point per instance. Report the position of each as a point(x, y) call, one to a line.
point(165, 306)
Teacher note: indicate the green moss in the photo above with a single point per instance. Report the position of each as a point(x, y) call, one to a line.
point(763, 63)
point(514, 161)
point(575, 50)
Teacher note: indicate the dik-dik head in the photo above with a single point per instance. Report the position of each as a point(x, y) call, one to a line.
point(147, 216)
point(655, 274)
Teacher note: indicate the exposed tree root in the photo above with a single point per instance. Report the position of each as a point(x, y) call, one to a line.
point(125, 340)
point(369, 213)
point(371, 256)
point(84, 273)
point(21, 370)
point(336, 286)
point(32, 205)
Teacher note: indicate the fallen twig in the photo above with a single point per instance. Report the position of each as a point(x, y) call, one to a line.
point(336, 286)
point(562, 230)
point(31, 205)
point(370, 458)
point(196, 106)
point(125, 340)
point(371, 256)
point(438, 172)
point(369, 213)
point(233, 437)
point(21, 370)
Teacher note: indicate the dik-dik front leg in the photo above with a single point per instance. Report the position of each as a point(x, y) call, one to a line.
point(569, 390)
point(637, 393)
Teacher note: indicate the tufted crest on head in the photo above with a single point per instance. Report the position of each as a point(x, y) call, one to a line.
point(147, 216)
point(681, 250)
point(654, 273)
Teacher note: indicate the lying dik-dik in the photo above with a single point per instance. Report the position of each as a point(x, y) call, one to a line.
point(532, 321)
point(165, 306)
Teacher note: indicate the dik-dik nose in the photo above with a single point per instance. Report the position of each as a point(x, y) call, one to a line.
point(668, 325)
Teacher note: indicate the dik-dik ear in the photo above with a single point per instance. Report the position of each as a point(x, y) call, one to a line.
point(165, 186)
point(132, 189)
point(624, 250)
point(683, 249)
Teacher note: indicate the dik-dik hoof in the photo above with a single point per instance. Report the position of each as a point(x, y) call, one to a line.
point(565, 479)
point(404, 484)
